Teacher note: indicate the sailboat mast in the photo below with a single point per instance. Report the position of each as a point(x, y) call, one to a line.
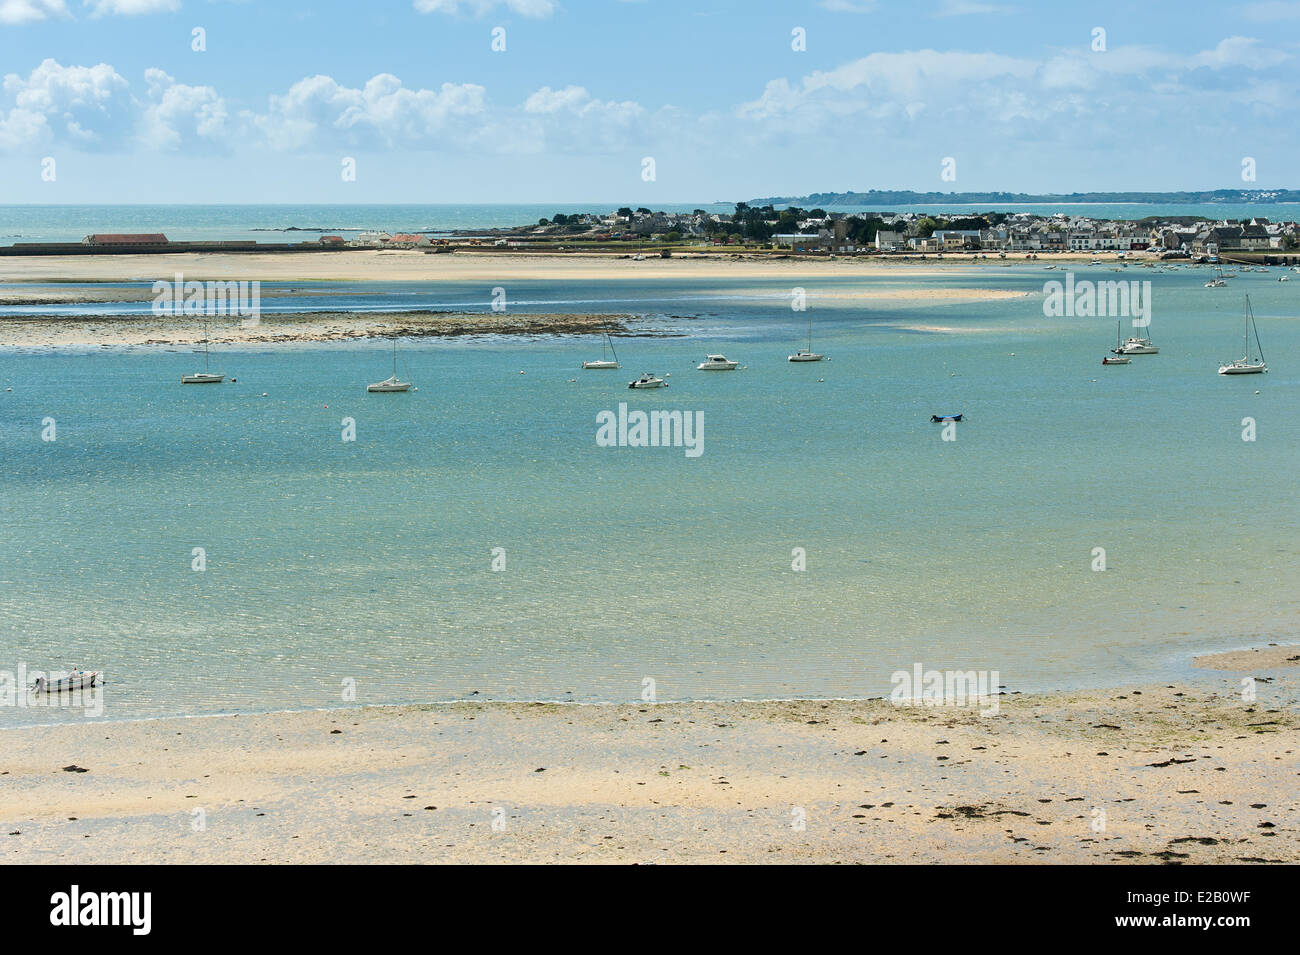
point(1245, 331)
point(1251, 314)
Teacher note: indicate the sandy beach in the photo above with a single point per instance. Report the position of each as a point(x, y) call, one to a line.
point(1150, 775)
point(39, 283)
point(494, 268)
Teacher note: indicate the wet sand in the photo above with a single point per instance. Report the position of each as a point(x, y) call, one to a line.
point(116, 330)
point(1149, 775)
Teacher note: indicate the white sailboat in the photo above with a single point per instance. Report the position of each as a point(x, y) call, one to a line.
point(807, 354)
point(1136, 346)
point(390, 384)
point(1118, 357)
point(204, 377)
point(604, 363)
point(1244, 365)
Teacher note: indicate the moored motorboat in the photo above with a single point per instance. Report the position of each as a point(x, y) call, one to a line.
point(717, 363)
point(1137, 346)
point(648, 380)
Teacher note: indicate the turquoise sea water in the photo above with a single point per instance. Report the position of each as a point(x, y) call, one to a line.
point(371, 560)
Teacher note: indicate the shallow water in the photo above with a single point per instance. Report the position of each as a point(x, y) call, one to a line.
point(371, 561)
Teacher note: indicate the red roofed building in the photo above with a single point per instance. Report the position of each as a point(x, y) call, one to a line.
point(115, 238)
point(404, 240)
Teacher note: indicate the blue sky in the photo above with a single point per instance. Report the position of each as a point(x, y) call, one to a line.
point(586, 90)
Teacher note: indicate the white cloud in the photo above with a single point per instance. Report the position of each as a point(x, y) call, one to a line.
point(318, 110)
point(21, 128)
point(1240, 51)
point(980, 88)
point(81, 104)
point(571, 118)
point(130, 8)
point(888, 83)
point(547, 100)
point(178, 115)
point(538, 9)
point(30, 11)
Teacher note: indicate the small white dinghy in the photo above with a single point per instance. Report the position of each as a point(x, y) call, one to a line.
point(76, 680)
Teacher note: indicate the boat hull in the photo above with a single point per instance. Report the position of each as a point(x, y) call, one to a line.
point(385, 388)
point(599, 365)
point(76, 681)
point(202, 379)
point(806, 356)
point(1243, 369)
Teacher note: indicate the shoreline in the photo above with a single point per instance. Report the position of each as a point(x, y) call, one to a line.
point(1176, 775)
point(1270, 657)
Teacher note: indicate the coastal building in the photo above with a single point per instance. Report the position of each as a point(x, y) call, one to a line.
point(798, 241)
point(890, 241)
point(1254, 237)
point(951, 240)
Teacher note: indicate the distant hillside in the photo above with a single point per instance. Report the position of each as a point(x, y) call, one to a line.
point(905, 197)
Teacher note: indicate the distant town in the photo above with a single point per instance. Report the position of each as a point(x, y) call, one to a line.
point(768, 229)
